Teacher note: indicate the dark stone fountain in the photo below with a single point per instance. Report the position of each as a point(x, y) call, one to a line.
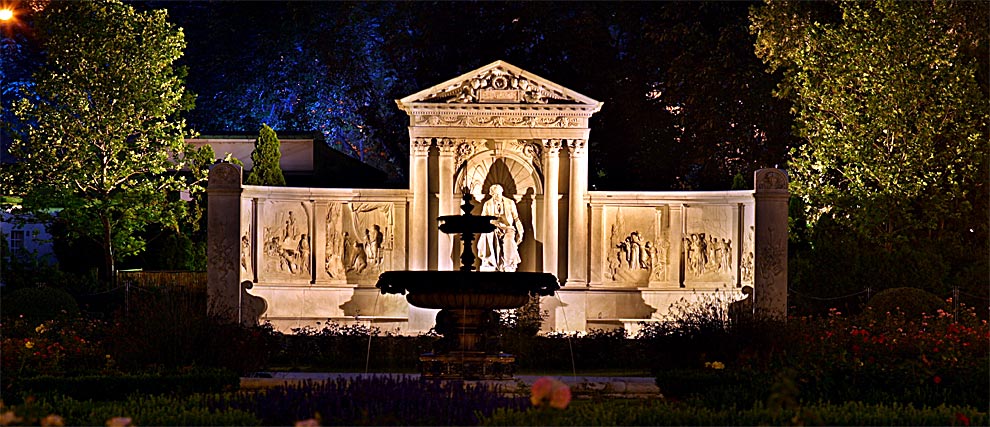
point(467, 300)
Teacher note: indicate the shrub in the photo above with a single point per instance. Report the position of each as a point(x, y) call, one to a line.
point(657, 413)
point(141, 409)
point(115, 387)
point(38, 304)
point(381, 400)
point(912, 302)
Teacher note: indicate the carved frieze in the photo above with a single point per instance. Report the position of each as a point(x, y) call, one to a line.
point(498, 85)
point(287, 243)
point(498, 121)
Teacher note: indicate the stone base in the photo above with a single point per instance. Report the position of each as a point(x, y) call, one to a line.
point(460, 365)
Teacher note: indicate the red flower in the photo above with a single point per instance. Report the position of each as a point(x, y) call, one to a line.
point(938, 380)
point(962, 418)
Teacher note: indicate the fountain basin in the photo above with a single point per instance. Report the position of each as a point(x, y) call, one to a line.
point(466, 300)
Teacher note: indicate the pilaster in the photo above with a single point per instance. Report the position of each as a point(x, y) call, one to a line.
point(419, 149)
point(577, 213)
point(551, 178)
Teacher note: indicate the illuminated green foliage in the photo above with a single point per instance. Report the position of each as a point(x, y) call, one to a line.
point(266, 157)
point(890, 101)
point(100, 137)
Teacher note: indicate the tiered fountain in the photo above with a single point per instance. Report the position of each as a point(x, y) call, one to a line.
point(467, 300)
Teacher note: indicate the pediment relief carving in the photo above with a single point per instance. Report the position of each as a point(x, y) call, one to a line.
point(499, 83)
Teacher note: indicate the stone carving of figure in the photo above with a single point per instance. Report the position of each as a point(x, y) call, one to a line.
point(291, 230)
point(373, 244)
point(302, 251)
point(360, 261)
point(715, 254)
point(245, 248)
point(727, 254)
point(499, 250)
point(646, 259)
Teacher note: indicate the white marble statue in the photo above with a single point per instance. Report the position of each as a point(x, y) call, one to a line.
point(499, 250)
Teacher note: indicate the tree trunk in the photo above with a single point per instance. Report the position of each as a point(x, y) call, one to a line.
point(109, 269)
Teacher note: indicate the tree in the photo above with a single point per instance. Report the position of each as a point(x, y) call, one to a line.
point(266, 157)
point(893, 121)
point(99, 137)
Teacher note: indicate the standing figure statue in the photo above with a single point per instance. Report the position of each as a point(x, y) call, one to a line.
point(499, 250)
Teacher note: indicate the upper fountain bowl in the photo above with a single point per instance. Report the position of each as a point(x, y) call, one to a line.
point(486, 289)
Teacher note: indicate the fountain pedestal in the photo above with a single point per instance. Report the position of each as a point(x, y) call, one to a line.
point(467, 300)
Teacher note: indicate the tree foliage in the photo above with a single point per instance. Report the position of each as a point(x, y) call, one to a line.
point(891, 107)
point(337, 67)
point(99, 137)
point(266, 157)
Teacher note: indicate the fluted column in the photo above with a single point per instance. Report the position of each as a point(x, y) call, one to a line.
point(577, 224)
point(419, 226)
point(551, 172)
point(445, 242)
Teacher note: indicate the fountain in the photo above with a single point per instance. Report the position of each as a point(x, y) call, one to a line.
point(467, 300)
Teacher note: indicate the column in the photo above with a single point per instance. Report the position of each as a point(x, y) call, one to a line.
point(577, 226)
point(770, 245)
point(445, 242)
point(419, 150)
point(551, 171)
point(223, 283)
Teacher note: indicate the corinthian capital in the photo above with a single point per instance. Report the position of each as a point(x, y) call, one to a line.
point(553, 146)
point(576, 146)
point(446, 146)
point(420, 146)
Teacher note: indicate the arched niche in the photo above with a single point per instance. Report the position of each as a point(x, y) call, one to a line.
point(513, 172)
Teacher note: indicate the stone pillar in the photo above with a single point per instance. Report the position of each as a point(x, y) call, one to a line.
point(445, 242)
point(223, 283)
point(770, 278)
point(419, 221)
point(577, 224)
point(551, 178)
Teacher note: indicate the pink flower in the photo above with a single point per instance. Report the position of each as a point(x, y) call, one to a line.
point(52, 421)
point(119, 422)
point(547, 391)
point(312, 422)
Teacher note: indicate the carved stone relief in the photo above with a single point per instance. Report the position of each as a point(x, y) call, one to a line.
point(633, 252)
point(368, 240)
point(748, 263)
point(771, 255)
point(334, 260)
point(287, 244)
point(498, 121)
point(498, 85)
point(771, 179)
point(660, 249)
point(708, 244)
point(246, 243)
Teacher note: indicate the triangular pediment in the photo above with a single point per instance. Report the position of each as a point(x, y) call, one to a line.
point(499, 83)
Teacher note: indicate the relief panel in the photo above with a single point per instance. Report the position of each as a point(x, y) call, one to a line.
point(286, 241)
point(709, 244)
point(333, 262)
point(635, 246)
point(367, 241)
